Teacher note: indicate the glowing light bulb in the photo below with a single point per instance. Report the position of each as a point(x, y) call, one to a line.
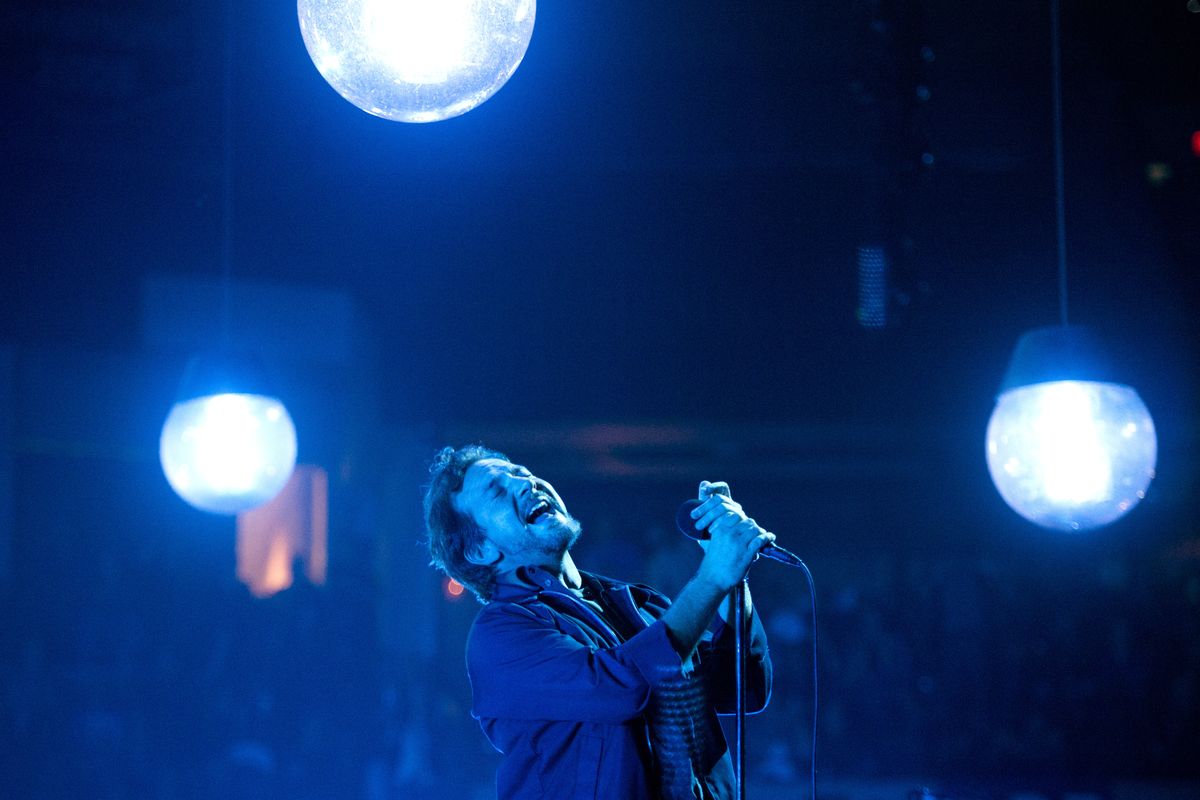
point(1071, 455)
point(416, 60)
point(228, 452)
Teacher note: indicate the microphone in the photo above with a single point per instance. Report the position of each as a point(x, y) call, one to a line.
point(687, 526)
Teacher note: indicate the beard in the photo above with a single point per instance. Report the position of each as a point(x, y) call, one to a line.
point(559, 535)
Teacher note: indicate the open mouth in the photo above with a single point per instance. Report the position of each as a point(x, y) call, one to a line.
point(539, 510)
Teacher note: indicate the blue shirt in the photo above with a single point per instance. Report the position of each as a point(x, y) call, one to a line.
point(587, 705)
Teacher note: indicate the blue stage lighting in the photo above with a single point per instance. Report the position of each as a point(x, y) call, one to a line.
point(872, 286)
point(223, 450)
point(1067, 447)
point(416, 60)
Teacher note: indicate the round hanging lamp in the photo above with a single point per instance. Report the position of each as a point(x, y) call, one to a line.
point(1070, 446)
point(228, 444)
point(416, 60)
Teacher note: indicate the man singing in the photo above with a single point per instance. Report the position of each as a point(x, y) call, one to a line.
point(591, 687)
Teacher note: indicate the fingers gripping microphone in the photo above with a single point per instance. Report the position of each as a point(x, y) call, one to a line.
point(687, 526)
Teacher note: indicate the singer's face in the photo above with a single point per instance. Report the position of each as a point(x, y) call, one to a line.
point(519, 513)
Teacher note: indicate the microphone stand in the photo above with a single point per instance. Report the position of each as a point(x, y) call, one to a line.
point(739, 669)
point(684, 522)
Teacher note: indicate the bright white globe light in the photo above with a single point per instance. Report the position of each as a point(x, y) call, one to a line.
point(228, 453)
point(416, 60)
point(1071, 455)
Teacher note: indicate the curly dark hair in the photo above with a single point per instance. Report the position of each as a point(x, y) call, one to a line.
point(451, 535)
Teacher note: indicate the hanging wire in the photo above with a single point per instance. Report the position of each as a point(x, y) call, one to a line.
point(227, 180)
point(1059, 205)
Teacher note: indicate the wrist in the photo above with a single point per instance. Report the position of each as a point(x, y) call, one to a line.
point(713, 584)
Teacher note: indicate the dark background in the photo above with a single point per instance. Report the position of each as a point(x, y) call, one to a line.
point(632, 268)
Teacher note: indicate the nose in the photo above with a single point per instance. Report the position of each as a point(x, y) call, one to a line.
point(525, 485)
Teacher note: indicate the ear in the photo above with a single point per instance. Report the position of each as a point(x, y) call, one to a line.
point(484, 554)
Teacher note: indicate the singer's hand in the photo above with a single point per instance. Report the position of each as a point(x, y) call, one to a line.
point(734, 539)
point(707, 490)
point(734, 542)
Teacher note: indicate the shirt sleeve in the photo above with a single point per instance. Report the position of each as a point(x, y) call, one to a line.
point(718, 656)
point(522, 667)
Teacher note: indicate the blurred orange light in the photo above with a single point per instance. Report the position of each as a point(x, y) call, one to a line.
point(452, 588)
point(289, 531)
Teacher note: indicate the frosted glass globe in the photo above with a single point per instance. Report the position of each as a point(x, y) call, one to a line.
point(416, 60)
point(1071, 455)
point(228, 453)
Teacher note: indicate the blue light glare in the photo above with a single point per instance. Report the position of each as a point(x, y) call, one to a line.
point(416, 60)
point(872, 286)
point(228, 453)
point(1071, 455)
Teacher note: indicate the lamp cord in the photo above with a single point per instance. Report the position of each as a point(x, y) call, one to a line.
point(227, 180)
point(1059, 205)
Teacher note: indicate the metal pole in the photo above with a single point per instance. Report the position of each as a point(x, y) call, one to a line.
point(740, 633)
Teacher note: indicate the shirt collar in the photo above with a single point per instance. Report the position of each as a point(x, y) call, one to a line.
point(525, 582)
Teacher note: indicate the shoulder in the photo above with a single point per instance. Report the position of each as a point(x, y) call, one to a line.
point(505, 632)
point(502, 621)
point(501, 613)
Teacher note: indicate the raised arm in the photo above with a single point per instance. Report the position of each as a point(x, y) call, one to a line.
point(734, 541)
